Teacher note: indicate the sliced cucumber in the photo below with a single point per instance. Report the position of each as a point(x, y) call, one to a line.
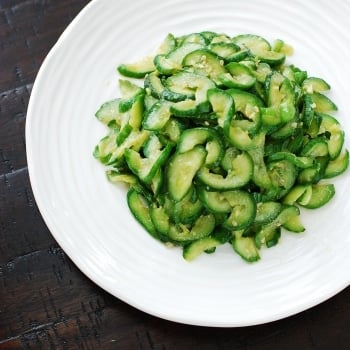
point(205, 62)
point(172, 62)
point(137, 69)
point(223, 106)
point(254, 43)
point(300, 162)
point(190, 138)
point(270, 233)
point(260, 48)
point(214, 201)
point(189, 108)
point(238, 76)
point(155, 155)
point(314, 84)
point(323, 104)
point(201, 228)
point(269, 236)
point(245, 247)
point(224, 50)
point(266, 212)
point(336, 139)
point(154, 85)
point(160, 219)
point(321, 195)
point(281, 100)
point(248, 106)
point(260, 176)
point(109, 111)
point(239, 175)
point(168, 45)
point(187, 209)
point(283, 174)
point(191, 85)
point(194, 249)
point(139, 207)
point(337, 166)
point(317, 147)
point(156, 118)
point(243, 209)
point(294, 224)
point(182, 169)
point(196, 38)
point(295, 194)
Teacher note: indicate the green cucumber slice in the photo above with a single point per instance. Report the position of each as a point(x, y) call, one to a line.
point(137, 69)
point(182, 169)
point(194, 249)
point(239, 175)
point(337, 166)
point(245, 247)
point(321, 194)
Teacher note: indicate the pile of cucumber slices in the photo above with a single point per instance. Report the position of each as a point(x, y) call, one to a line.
point(223, 142)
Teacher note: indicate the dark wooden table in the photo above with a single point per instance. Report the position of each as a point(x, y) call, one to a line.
point(45, 301)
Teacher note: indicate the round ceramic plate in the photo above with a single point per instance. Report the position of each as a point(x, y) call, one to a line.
point(89, 216)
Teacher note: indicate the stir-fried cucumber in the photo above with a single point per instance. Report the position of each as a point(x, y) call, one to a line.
point(223, 143)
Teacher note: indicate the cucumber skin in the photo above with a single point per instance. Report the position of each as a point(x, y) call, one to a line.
point(194, 249)
point(140, 212)
point(321, 195)
point(245, 247)
point(179, 182)
point(125, 71)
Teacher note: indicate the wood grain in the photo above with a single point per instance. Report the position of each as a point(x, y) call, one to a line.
point(45, 301)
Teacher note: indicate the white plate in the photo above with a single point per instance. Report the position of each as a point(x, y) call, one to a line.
point(89, 217)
